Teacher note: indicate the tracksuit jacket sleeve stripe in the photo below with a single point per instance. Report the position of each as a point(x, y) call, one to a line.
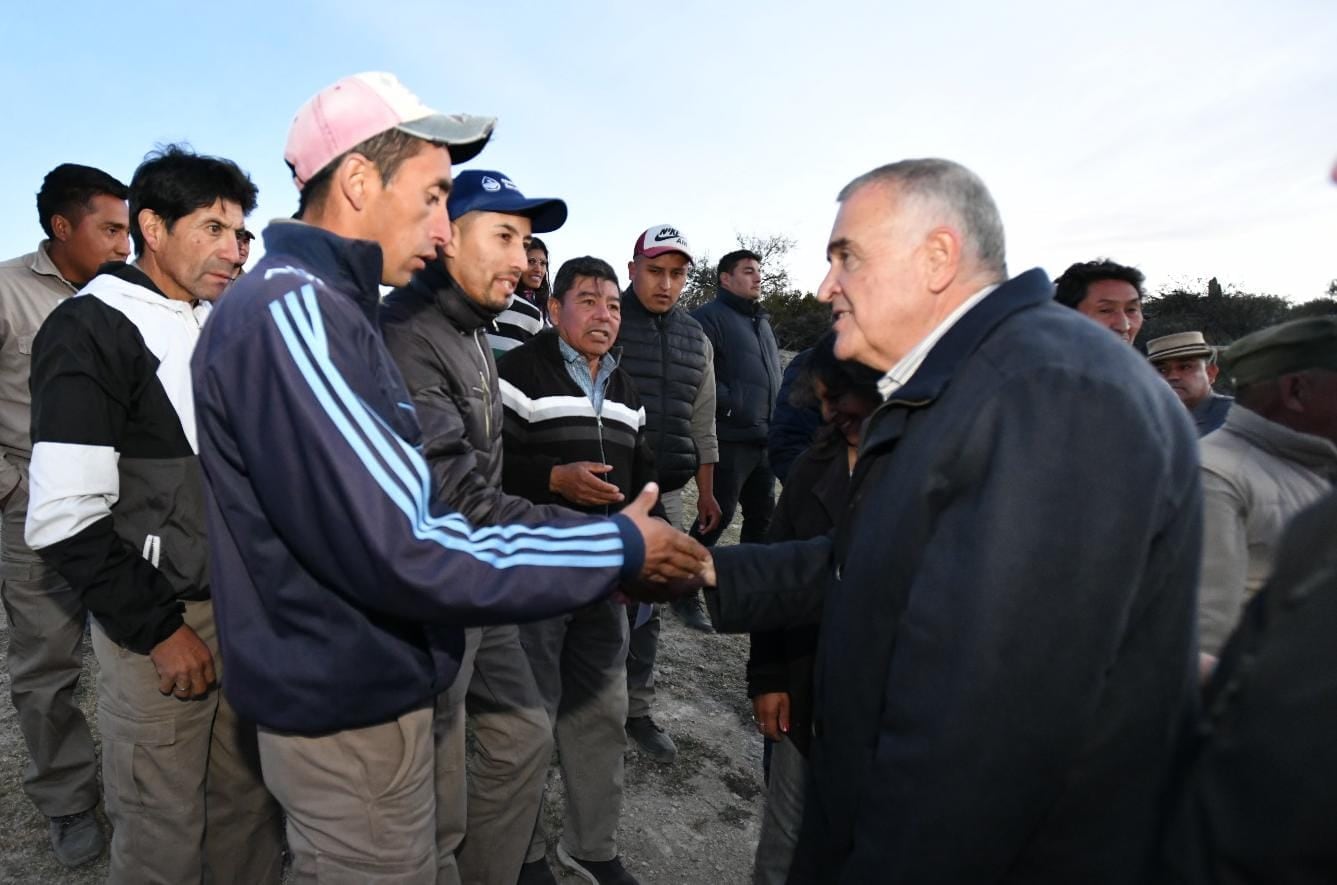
point(361, 494)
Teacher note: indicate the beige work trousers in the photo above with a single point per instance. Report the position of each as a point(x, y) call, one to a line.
point(181, 779)
point(360, 802)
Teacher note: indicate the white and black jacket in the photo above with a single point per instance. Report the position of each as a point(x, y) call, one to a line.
point(117, 501)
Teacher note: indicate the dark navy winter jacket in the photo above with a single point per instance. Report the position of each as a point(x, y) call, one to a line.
point(1007, 651)
point(340, 587)
point(747, 365)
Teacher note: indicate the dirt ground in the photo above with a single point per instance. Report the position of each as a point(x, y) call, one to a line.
point(694, 821)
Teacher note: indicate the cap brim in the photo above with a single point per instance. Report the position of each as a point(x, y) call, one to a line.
point(663, 250)
point(465, 134)
point(547, 215)
point(544, 214)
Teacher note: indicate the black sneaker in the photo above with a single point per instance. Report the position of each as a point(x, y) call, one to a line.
point(76, 838)
point(536, 872)
point(596, 872)
point(692, 612)
point(651, 738)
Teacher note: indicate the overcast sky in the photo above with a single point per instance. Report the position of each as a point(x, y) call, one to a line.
point(1190, 139)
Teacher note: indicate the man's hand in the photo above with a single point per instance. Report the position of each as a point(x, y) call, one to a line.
point(708, 514)
point(185, 666)
point(771, 711)
point(579, 483)
point(673, 561)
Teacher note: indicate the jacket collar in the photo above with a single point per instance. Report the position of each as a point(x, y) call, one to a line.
point(1028, 290)
point(832, 487)
point(631, 303)
point(345, 265)
point(748, 307)
point(42, 264)
point(554, 348)
point(129, 273)
point(435, 283)
point(1306, 449)
point(131, 282)
point(964, 338)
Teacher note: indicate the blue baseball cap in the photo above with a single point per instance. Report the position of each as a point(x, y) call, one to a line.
point(481, 190)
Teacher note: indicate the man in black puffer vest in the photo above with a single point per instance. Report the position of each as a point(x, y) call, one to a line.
point(747, 380)
point(670, 359)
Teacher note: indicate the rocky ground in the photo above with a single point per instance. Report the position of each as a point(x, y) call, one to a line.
point(694, 821)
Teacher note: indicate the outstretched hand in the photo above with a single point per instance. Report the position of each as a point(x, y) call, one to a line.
point(674, 563)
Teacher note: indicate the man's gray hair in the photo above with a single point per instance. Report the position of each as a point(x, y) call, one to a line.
point(952, 188)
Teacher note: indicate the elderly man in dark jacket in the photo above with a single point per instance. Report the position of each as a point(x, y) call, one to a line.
point(1007, 650)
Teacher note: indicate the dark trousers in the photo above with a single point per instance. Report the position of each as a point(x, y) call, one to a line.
point(743, 479)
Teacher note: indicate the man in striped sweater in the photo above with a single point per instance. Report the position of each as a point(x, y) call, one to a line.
point(574, 434)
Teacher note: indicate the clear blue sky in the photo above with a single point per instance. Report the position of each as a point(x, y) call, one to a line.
point(1191, 139)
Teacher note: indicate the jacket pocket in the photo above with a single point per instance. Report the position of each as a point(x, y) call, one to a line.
point(138, 758)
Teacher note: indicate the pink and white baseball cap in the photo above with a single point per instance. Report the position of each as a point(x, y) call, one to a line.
point(343, 115)
point(660, 239)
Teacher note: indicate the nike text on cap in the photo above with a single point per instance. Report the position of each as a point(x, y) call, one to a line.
point(347, 113)
point(481, 190)
point(660, 239)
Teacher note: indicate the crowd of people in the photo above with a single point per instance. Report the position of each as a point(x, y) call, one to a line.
point(983, 613)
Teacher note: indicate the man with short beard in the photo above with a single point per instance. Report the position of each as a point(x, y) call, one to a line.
point(344, 582)
point(118, 510)
point(83, 213)
point(435, 328)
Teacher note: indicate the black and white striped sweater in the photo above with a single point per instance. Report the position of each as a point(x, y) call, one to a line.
point(549, 421)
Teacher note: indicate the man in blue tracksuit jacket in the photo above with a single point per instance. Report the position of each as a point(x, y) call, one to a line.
point(340, 586)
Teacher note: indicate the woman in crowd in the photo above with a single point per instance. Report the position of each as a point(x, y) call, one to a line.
point(780, 666)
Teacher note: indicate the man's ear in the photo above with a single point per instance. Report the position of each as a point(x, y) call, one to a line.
point(452, 249)
point(1212, 371)
point(61, 227)
point(356, 178)
point(153, 228)
point(1293, 391)
point(942, 257)
point(555, 311)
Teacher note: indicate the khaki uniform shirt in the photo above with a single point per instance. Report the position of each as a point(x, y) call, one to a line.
point(30, 288)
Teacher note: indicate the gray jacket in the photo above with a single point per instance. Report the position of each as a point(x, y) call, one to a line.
point(1256, 475)
point(438, 338)
point(30, 288)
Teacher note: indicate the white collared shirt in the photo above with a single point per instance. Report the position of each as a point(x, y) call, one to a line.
point(903, 371)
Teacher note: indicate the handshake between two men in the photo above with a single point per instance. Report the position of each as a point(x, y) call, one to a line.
point(675, 564)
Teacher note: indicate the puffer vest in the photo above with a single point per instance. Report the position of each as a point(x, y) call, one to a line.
point(665, 354)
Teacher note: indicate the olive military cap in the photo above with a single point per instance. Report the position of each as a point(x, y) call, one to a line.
point(1310, 343)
